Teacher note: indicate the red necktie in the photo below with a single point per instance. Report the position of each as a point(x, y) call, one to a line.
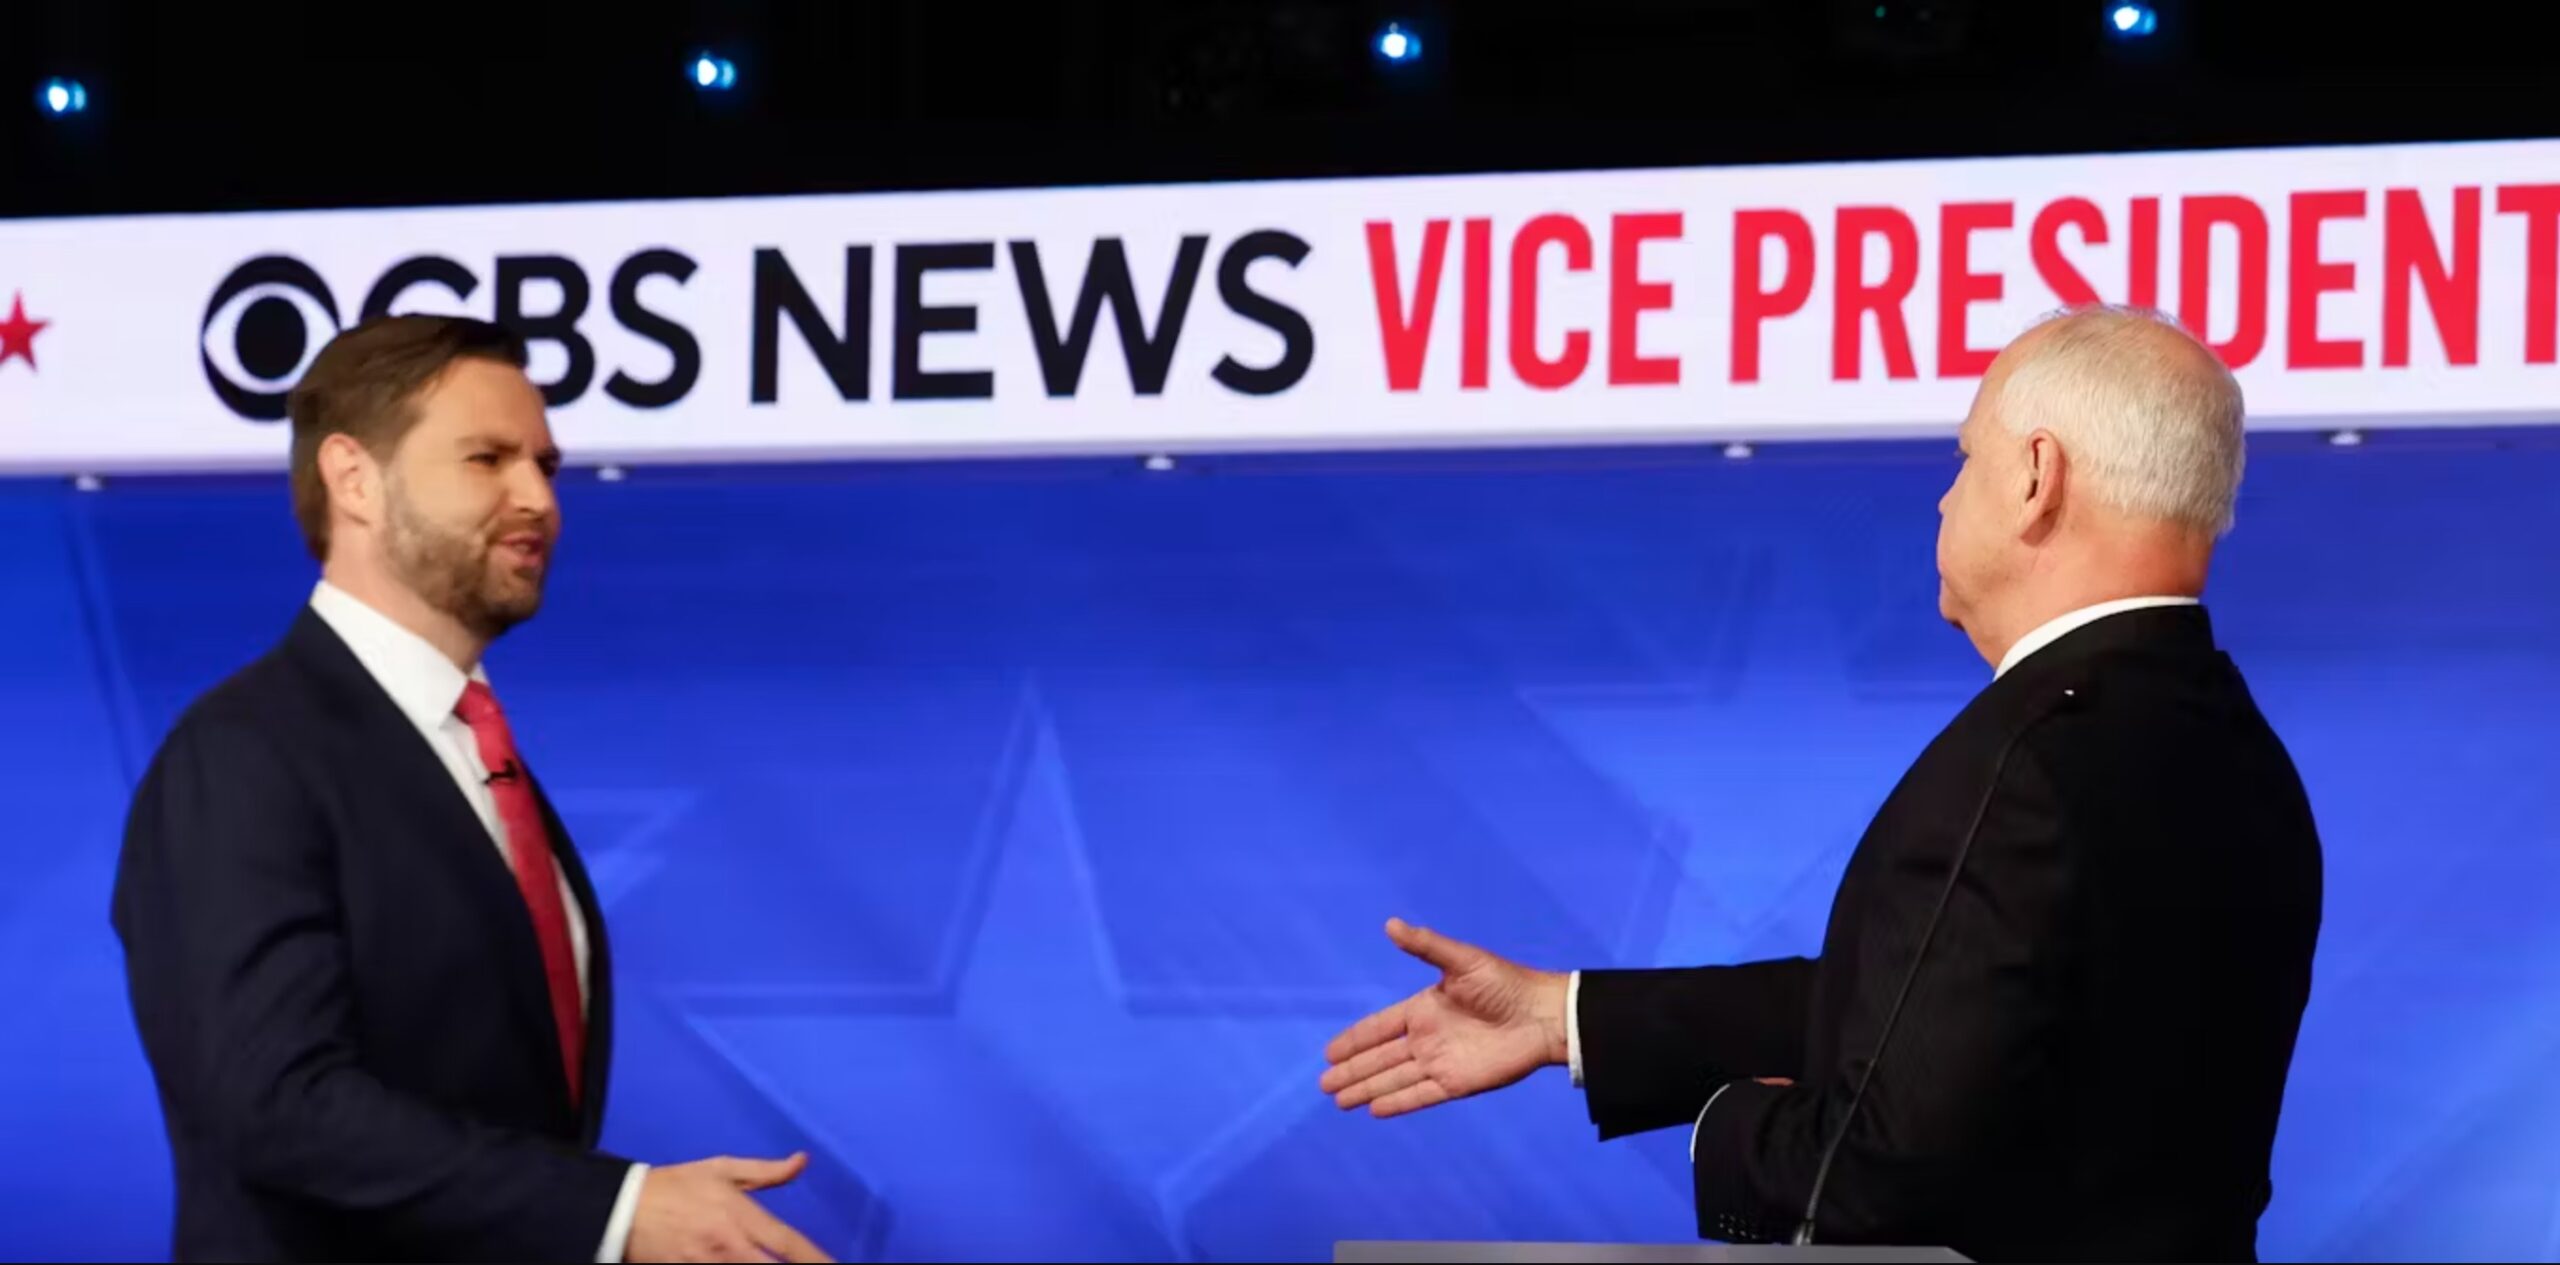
point(529, 848)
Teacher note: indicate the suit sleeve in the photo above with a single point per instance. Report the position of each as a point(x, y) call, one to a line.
point(1656, 1043)
point(1963, 1057)
point(237, 965)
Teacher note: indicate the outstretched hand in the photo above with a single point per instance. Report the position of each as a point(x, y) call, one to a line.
point(1487, 1023)
point(701, 1212)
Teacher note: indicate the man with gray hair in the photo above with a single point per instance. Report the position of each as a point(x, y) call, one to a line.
point(2058, 997)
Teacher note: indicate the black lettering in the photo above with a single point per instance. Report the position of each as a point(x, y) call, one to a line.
point(413, 272)
point(679, 341)
point(908, 379)
point(1106, 277)
point(558, 327)
point(1298, 338)
point(847, 360)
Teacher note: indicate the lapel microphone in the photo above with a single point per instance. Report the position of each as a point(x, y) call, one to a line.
point(2069, 701)
point(505, 773)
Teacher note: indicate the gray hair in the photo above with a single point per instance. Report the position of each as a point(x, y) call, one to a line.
point(2142, 407)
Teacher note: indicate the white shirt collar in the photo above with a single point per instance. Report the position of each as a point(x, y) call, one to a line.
point(421, 681)
point(2052, 630)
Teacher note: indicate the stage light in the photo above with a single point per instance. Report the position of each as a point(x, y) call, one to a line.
point(2129, 21)
point(713, 73)
point(58, 97)
point(1398, 45)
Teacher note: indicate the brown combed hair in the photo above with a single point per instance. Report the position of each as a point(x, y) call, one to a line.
point(365, 385)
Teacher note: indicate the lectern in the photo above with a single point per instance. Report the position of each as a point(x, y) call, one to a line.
point(1384, 1252)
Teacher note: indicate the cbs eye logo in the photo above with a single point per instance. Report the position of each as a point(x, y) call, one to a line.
point(262, 328)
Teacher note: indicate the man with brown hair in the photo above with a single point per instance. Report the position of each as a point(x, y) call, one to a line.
point(366, 964)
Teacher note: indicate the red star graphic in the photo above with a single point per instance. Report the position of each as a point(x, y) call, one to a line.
point(18, 334)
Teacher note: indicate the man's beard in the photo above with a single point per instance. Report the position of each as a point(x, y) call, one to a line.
point(459, 574)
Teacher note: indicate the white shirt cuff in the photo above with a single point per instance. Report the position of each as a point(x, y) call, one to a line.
point(1573, 1026)
point(617, 1228)
point(1702, 1119)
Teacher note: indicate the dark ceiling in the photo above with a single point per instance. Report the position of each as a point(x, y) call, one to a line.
point(201, 106)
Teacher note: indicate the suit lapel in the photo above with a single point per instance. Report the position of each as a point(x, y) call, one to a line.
point(399, 762)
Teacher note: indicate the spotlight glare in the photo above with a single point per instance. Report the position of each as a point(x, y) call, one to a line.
point(1397, 44)
point(58, 97)
point(2130, 21)
point(713, 73)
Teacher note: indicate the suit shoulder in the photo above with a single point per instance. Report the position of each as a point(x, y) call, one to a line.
point(2119, 716)
point(268, 698)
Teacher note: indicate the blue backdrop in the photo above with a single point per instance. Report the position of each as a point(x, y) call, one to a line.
point(1011, 836)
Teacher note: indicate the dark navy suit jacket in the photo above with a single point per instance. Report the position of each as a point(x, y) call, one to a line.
point(340, 992)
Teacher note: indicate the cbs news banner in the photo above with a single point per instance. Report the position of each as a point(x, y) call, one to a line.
point(2348, 287)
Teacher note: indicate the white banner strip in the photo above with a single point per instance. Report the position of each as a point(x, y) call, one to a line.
point(2365, 286)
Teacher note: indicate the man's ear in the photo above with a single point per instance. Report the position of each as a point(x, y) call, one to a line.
point(2047, 476)
point(353, 478)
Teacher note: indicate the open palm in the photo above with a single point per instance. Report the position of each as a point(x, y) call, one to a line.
point(1486, 1024)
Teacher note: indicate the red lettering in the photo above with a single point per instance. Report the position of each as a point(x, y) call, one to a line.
point(2142, 255)
point(1536, 370)
point(2540, 205)
point(1630, 296)
point(2045, 245)
point(1852, 298)
point(2308, 276)
point(2453, 289)
point(2197, 218)
point(1406, 336)
point(1475, 339)
point(1755, 304)
point(1959, 287)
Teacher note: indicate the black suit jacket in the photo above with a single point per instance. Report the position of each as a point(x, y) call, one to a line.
point(2091, 1061)
point(340, 992)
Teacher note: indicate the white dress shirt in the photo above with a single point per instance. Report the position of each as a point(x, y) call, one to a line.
point(2045, 634)
point(425, 686)
point(2052, 630)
